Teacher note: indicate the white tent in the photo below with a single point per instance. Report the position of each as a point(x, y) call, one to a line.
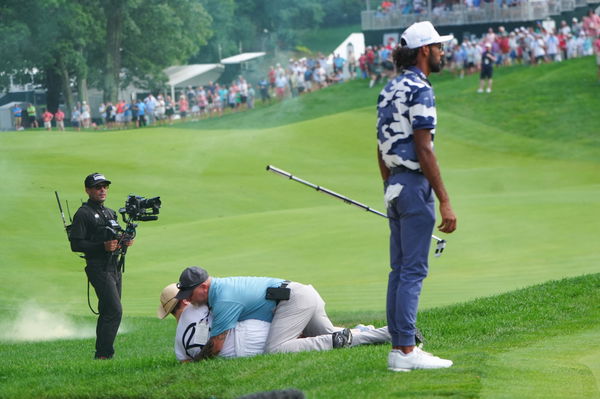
point(355, 42)
point(243, 57)
point(192, 75)
point(6, 121)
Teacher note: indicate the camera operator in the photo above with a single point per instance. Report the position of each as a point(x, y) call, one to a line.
point(94, 232)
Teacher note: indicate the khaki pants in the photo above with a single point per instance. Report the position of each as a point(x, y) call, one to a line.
point(303, 314)
point(376, 336)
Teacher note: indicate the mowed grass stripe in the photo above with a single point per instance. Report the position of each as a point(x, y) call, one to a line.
point(572, 361)
point(518, 213)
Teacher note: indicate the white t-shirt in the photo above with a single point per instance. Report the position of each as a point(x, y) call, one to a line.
point(539, 50)
point(248, 338)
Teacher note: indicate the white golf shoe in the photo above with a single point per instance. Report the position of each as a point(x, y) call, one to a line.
point(417, 359)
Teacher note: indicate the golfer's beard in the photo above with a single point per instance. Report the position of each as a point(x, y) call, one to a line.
point(435, 66)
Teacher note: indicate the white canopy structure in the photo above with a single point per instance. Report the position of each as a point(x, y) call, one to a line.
point(243, 57)
point(6, 122)
point(192, 75)
point(354, 43)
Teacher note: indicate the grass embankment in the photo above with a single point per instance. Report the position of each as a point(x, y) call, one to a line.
point(527, 205)
point(539, 342)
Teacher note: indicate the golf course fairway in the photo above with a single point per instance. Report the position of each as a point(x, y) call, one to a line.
point(521, 165)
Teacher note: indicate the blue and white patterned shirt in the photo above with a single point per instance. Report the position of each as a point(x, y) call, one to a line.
point(405, 104)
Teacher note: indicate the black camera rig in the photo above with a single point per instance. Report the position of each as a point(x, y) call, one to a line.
point(140, 208)
point(136, 209)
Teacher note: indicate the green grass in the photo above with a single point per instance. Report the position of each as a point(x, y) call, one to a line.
point(498, 352)
point(522, 167)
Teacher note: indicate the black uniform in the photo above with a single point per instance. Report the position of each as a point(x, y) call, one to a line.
point(87, 235)
point(487, 65)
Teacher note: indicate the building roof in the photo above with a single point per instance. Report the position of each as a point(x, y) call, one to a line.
point(243, 57)
point(193, 75)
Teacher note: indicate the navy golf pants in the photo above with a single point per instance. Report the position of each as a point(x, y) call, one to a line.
point(412, 218)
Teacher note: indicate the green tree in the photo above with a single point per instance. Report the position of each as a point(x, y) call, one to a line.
point(342, 12)
point(287, 17)
point(257, 25)
point(224, 39)
point(159, 34)
point(99, 43)
point(15, 36)
point(51, 37)
point(144, 37)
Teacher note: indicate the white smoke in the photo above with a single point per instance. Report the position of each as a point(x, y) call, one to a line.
point(33, 323)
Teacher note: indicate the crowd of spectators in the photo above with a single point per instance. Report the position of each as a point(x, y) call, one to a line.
point(533, 45)
point(26, 116)
point(297, 77)
point(192, 103)
point(438, 7)
point(301, 76)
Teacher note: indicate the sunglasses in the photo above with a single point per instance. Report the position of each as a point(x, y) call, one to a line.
point(100, 186)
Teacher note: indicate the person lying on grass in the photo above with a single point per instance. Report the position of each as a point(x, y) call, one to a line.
point(247, 338)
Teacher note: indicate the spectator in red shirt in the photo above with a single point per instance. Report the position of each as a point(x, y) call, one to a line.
point(362, 64)
point(47, 117)
point(272, 77)
point(183, 106)
point(504, 44)
point(59, 117)
point(119, 111)
point(597, 51)
point(562, 44)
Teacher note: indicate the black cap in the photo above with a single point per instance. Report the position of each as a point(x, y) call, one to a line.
point(190, 278)
point(95, 179)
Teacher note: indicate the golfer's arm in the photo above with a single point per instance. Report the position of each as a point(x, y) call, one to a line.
point(429, 165)
point(213, 347)
point(383, 169)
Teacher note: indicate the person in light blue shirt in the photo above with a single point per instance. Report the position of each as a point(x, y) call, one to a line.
point(150, 103)
point(338, 63)
point(293, 309)
point(236, 299)
point(141, 113)
point(17, 115)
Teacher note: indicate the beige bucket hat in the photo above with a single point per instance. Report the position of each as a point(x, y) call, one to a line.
point(167, 300)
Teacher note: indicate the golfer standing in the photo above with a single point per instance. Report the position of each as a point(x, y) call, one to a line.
point(405, 132)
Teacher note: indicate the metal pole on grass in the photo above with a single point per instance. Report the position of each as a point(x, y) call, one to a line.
point(441, 244)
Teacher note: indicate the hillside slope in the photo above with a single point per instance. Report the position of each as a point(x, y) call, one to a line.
point(527, 208)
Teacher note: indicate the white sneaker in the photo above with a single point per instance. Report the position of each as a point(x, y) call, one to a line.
point(488, 90)
point(479, 90)
point(417, 359)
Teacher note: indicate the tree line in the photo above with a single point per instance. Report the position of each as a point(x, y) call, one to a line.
point(68, 46)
